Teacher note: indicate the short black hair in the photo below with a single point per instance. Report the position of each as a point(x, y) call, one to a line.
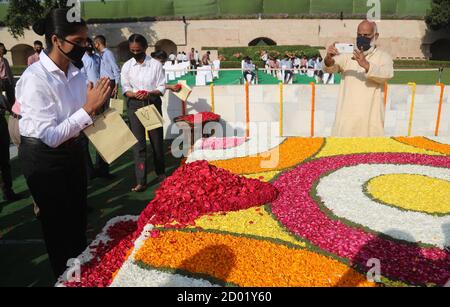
point(138, 38)
point(159, 55)
point(101, 39)
point(39, 43)
point(56, 23)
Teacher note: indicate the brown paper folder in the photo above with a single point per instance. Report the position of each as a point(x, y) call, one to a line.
point(110, 135)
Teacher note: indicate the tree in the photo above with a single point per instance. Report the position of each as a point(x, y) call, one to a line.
point(22, 14)
point(439, 16)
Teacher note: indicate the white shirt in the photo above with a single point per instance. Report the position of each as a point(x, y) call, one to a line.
point(148, 76)
point(52, 103)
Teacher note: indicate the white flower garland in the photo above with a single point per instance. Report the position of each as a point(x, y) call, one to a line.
point(252, 147)
point(89, 253)
point(132, 275)
point(346, 199)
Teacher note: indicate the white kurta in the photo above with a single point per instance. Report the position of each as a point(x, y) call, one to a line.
point(360, 111)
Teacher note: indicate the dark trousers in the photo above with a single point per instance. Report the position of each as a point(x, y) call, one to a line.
point(246, 73)
point(5, 167)
point(156, 139)
point(8, 87)
point(90, 170)
point(57, 181)
point(287, 75)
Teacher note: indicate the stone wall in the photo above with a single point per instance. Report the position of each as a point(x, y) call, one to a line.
point(265, 108)
point(402, 38)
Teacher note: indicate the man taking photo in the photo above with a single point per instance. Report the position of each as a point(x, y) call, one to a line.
point(360, 111)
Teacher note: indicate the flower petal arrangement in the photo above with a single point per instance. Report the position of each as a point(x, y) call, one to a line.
point(199, 118)
point(319, 214)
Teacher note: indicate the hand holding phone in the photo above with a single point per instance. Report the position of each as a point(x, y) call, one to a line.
point(345, 48)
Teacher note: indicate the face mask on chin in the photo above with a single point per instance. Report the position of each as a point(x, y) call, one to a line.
point(75, 55)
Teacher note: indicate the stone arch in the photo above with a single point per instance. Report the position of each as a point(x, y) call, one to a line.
point(20, 54)
point(166, 45)
point(262, 41)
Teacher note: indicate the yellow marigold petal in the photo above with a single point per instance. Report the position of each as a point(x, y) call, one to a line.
point(253, 221)
point(246, 262)
point(412, 192)
point(290, 153)
point(426, 144)
point(346, 146)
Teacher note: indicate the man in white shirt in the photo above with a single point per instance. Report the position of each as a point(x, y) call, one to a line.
point(179, 57)
point(249, 69)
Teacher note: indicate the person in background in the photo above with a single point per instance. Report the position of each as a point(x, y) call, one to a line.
point(6, 78)
point(296, 62)
point(303, 65)
point(319, 69)
point(191, 58)
point(179, 57)
point(91, 68)
point(144, 73)
point(286, 64)
point(206, 59)
point(249, 69)
point(110, 70)
point(312, 63)
point(38, 46)
point(273, 65)
point(172, 58)
point(197, 57)
point(56, 106)
point(265, 57)
point(5, 106)
point(185, 58)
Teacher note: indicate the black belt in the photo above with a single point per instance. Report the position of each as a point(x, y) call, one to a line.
point(16, 116)
point(38, 142)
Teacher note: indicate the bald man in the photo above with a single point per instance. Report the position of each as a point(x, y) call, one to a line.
point(360, 111)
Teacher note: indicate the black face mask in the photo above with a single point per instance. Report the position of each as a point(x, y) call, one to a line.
point(139, 57)
point(76, 54)
point(364, 43)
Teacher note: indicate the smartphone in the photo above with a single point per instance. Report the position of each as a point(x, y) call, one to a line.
point(345, 48)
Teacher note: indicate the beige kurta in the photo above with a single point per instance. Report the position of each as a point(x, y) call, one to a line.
point(360, 111)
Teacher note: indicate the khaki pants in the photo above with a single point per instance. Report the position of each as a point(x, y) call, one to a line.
point(14, 134)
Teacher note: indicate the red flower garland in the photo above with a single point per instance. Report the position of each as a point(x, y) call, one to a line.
point(198, 118)
point(199, 188)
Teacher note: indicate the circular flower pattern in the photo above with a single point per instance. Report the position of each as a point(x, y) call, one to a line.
point(411, 192)
point(297, 209)
point(346, 199)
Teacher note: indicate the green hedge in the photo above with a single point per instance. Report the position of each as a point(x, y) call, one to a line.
point(420, 64)
point(238, 64)
point(286, 7)
point(255, 52)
